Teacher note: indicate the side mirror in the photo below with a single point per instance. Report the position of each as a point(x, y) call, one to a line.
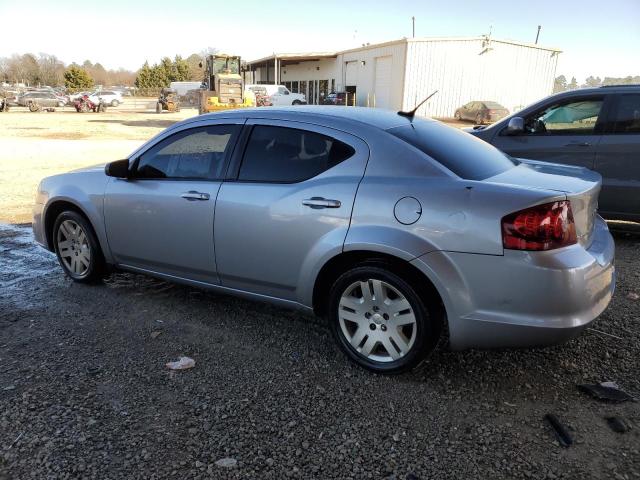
point(286, 92)
point(118, 169)
point(515, 126)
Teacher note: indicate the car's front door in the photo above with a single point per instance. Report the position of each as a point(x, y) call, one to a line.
point(289, 203)
point(161, 220)
point(618, 159)
point(561, 132)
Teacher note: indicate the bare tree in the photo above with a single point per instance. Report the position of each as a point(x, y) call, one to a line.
point(51, 69)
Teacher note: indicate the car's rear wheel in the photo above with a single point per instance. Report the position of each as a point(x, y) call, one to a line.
point(479, 119)
point(297, 102)
point(457, 116)
point(77, 248)
point(34, 107)
point(380, 321)
point(115, 103)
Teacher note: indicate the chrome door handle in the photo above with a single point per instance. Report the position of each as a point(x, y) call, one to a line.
point(578, 144)
point(193, 195)
point(319, 202)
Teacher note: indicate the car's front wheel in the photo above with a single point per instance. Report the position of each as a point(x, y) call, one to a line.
point(380, 321)
point(297, 102)
point(77, 248)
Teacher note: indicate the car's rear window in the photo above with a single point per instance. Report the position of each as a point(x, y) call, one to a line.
point(493, 105)
point(465, 155)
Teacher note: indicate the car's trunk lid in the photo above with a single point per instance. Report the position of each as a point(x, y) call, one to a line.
point(580, 185)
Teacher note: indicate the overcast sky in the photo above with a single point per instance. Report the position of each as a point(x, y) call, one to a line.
point(597, 37)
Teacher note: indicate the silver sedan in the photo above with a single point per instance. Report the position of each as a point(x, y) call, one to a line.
point(397, 230)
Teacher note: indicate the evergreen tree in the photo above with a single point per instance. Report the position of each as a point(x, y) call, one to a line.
point(76, 78)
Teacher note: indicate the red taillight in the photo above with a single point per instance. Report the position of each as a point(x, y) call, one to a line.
point(543, 227)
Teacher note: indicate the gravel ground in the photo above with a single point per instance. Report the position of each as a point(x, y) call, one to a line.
point(84, 392)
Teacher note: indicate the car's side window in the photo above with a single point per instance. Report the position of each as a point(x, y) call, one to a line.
point(574, 117)
point(197, 153)
point(626, 116)
point(288, 155)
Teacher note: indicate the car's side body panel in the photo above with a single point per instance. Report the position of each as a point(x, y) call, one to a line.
point(266, 236)
point(83, 189)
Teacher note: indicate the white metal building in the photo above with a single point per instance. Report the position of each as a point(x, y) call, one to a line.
point(399, 74)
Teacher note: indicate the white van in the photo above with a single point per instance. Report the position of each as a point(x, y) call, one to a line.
point(279, 95)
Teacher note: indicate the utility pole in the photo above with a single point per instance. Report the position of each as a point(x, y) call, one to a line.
point(413, 27)
point(538, 34)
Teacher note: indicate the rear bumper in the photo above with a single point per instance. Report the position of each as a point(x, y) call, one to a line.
point(524, 299)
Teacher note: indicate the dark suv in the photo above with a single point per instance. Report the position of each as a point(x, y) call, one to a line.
point(598, 128)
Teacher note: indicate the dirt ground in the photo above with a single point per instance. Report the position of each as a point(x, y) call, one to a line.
point(84, 392)
point(36, 145)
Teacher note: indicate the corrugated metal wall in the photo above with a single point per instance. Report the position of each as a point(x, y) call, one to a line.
point(465, 70)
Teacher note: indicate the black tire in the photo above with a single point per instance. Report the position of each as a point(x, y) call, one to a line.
point(297, 102)
point(158, 107)
point(115, 103)
point(95, 271)
point(457, 116)
point(34, 107)
point(428, 327)
point(479, 119)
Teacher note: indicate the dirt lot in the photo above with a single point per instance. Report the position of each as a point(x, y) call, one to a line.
point(84, 392)
point(35, 145)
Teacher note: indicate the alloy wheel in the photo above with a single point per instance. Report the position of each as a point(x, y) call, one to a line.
point(74, 249)
point(377, 320)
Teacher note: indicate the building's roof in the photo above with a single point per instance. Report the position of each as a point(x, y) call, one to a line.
point(288, 58)
point(291, 58)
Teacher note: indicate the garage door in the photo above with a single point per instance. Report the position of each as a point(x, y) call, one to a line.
point(352, 74)
point(382, 86)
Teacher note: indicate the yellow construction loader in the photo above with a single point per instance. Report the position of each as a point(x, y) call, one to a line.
point(224, 85)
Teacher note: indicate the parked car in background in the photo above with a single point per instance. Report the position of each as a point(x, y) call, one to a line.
point(110, 97)
point(279, 95)
point(481, 112)
point(597, 128)
point(397, 230)
point(38, 100)
point(339, 98)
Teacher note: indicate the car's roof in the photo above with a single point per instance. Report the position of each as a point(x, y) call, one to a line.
point(375, 117)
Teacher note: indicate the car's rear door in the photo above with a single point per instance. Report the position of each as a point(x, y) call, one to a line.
point(162, 220)
point(288, 201)
point(565, 131)
point(618, 159)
